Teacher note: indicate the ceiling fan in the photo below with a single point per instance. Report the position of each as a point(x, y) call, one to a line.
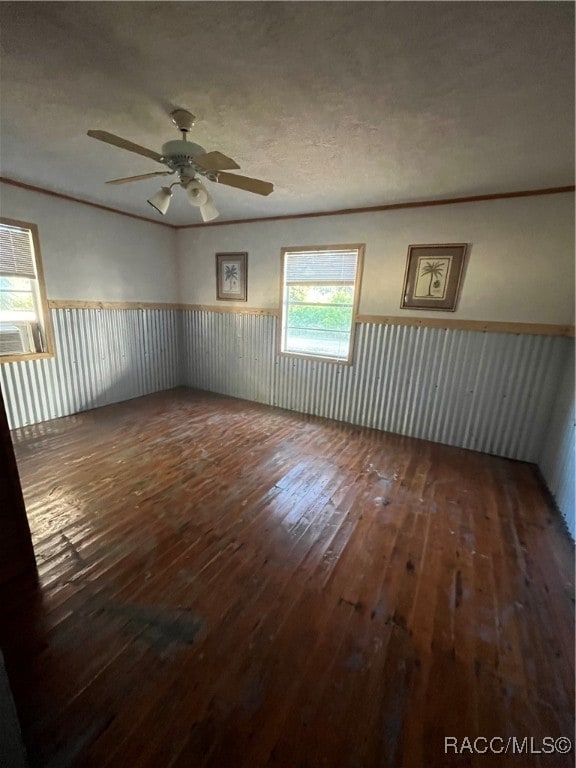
point(189, 161)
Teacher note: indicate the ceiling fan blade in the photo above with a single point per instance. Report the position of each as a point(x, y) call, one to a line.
point(117, 141)
point(245, 182)
point(216, 161)
point(142, 176)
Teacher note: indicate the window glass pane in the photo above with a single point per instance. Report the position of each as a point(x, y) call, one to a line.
point(321, 342)
point(16, 301)
point(15, 283)
point(321, 294)
point(319, 318)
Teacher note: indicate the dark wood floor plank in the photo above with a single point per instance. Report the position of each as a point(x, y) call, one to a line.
point(227, 584)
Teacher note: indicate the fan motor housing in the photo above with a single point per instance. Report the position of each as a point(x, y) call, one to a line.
point(179, 154)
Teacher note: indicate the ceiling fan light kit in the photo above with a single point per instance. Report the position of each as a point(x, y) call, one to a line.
point(161, 200)
point(196, 193)
point(188, 160)
point(199, 197)
point(208, 211)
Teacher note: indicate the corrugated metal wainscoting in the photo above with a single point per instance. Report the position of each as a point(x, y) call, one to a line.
point(558, 460)
point(102, 356)
point(231, 353)
point(490, 392)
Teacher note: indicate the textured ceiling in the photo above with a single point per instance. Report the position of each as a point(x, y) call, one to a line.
point(340, 105)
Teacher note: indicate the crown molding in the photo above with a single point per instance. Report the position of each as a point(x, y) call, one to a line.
point(390, 207)
point(62, 196)
point(290, 216)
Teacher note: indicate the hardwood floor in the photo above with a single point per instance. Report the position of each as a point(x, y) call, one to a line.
point(229, 585)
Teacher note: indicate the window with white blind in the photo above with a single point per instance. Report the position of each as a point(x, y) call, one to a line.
point(24, 330)
point(320, 291)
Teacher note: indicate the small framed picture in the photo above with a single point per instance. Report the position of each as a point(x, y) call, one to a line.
point(433, 276)
point(232, 276)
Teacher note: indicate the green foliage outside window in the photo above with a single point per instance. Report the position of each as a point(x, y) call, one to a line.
point(325, 309)
point(16, 294)
point(329, 318)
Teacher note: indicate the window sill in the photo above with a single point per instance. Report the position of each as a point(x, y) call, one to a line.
point(316, 358)
point(23, 358)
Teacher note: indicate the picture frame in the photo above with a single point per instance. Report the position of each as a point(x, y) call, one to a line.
point(433, 276)
point(232, 276)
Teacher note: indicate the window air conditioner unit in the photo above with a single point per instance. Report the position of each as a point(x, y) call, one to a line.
point(16, 338)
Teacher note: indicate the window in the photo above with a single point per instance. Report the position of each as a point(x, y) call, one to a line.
point(24, 319)
point(320, 289)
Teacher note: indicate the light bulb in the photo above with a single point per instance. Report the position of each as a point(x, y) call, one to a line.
point(196, 193)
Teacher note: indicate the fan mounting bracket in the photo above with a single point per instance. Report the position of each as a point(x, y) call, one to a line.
point(183, 119)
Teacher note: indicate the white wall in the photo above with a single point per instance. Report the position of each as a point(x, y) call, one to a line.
point(520, 267)
point(95, 255)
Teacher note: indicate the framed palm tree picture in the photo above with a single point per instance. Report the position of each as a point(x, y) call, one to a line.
point(232, 276)
point(433, 276)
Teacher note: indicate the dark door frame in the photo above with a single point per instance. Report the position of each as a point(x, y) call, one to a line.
point(16, 550)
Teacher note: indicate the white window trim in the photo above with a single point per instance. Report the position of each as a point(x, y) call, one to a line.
point(359, 247)
point(43, 301)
